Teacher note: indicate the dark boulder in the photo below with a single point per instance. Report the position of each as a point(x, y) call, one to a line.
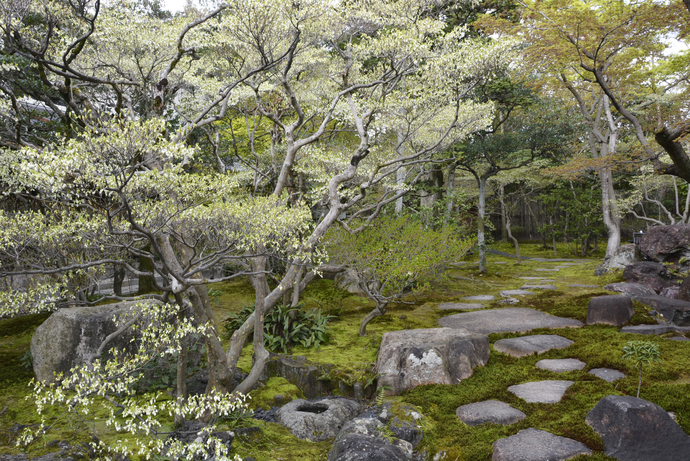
point(317, 420)
point(684, 290)
point(666, 243)
point(670, 292)
point(613, 310)
point(637, 430)
point(362, 439)
point(672, 310)
point(649, 273)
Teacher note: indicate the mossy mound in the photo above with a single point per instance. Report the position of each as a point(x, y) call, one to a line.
point(264, 397)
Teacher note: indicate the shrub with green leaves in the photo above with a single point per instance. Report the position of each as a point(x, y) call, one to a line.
point(641, 353)
point(286, 326)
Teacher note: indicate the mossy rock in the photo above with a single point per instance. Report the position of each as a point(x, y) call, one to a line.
point(264, 397)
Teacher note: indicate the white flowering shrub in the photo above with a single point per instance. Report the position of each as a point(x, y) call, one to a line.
point(105, 391)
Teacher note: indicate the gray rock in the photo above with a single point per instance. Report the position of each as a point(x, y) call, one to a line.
point(637, 430)
point(541, 391)
point(361, 439)
point(684, 289)
point(614, 310)
point(624, 256)
point(507, 293)
point(647, 329)
point(649, 273)
point(72, 336)
point(407, 431)
point(560, 365)
point(410, 358)
point(630, 289)
point(509, 319)
point(607, 374)
point(460, 306)
point(489, 411)
point(349, 280)
point(528, 345)
point(480, 298)
point(670, 292)
point(541, 269)
point(539, 287)
point(532, 278)
point(678, 338)
point(317, 420)
point(535, 445)
point(582, 285)
point(675, 311)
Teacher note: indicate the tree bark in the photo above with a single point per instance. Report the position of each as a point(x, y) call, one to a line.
point(481, 240)
point(378, 311)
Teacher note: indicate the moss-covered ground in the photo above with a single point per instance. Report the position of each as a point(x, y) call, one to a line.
point(352, 357)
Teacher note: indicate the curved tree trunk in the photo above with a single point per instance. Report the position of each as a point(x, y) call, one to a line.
point(377, 312)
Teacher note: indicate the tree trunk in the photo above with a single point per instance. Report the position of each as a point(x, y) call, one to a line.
point(146, 265)
point(504, 229)
point(118, 278)
point(378, 311)
point(260, 353)
point(481, 241)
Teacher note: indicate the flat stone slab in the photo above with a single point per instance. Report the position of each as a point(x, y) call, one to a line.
point(532, 278)
point(582, 285)
point(505, 320)
point(561, 365)
point(541, 391)
point(507, 293)
point(480, 298)
point(648, 329)
point(460, 306)
point(543, 269)
point(528, 345)
point(607, 374)
point(535, 445)
point(539, 287)
point(489, 411)
point(678, 338)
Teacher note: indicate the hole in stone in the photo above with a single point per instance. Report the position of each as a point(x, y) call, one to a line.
point(313, 408)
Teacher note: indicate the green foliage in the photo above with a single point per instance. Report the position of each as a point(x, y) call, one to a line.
point(641, 353)
point(27, 361)
point(286, 326)
point(393, 253)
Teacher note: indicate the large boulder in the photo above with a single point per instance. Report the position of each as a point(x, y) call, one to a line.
point(666, 243)
point(674, 311)
point(317, 420)
point(349, 280)
point(630, 289)
point(410, 358)
point(72, 336)
point(637, 430)
point(650, 274)
point(613, 310)
point(624, 256)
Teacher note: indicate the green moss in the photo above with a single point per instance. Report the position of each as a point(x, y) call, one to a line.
point(264, 397)
point(275, 442)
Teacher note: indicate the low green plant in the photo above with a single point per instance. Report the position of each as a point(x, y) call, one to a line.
point(641, 353)
point(27, 361)
point(286, 326)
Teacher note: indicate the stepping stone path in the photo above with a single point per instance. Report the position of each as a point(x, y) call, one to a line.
point(561, 365)
point(480, 298)
point(535, 445)
point(541, 391)
point(460, 306)
point(607, 374)
point(542, 269)
point(679, 338)
point(528, 345)
point(648, 329)
point(539, 287)
point(532, 278)
point(580, 285)
point(509, 319)
point(507, 293)
point(489, 411)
